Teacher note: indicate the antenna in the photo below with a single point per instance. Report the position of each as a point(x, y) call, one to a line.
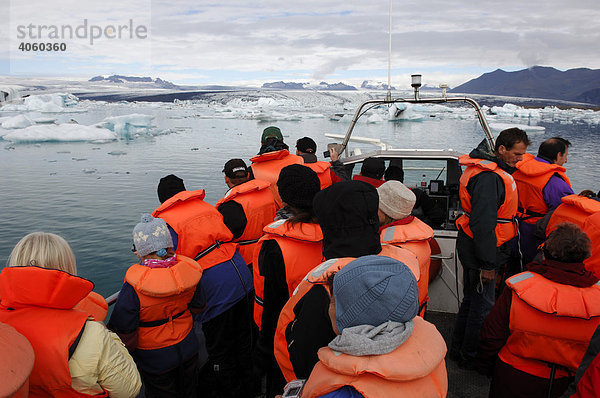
point(389, 85)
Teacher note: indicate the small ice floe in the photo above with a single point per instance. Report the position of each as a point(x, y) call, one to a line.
point(117, 153)
point(9, 147)
point(17, 122)
point(44, 120)
point(60, 132)
point(498, 127)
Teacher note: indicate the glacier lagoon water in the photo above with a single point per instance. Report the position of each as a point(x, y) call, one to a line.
point(92, 193)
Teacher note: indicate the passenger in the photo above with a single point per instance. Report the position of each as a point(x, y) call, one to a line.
point(247, 207)
point(382, 348)
point(284, 255)
point(272, 157)
point(371, 172)
point(151, 314)
point(74, 355)
point(546, 318)
point(574, 209)
point(541, 183)
point(489, 198)
point(199, 232)
point(328, 172)
point(425, 209)
point(347, 213)
point(587, 377)
point(399, 228)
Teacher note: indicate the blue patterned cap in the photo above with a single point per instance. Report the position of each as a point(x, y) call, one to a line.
point(151, 235)
point(372, 290)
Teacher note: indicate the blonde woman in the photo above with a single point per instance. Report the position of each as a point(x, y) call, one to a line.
point(74, 355)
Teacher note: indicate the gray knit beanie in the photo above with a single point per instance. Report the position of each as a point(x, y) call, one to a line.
point(372, 290)
point(151, 235)
point(395, 199)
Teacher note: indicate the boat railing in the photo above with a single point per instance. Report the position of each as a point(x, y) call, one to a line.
point(368, 105)
point(110, 300)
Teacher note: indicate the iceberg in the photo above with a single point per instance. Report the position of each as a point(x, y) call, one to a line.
point(60, 132)
point(128, 125)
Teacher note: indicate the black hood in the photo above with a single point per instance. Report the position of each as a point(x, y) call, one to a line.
point(347, 213)
point(483, 151)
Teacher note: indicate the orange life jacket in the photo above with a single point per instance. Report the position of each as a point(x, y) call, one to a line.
point(319, 276)
point(414, 236)
point(323, 170)
point(549, 323)
point(95, 305)
point(301, 246)
point(199, 227)
point(574, 209)
point(267, 166)
point(415, 369)
point(506, 228)
point(164, 295)
point(17, 363)
point(38, 303)
point(259, 206)
point(531, 178)
point(591, 227)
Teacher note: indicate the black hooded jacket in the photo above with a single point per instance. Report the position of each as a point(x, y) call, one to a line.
point(347, 213)
point(487, 195)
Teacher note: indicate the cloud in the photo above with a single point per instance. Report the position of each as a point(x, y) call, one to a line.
point(319, 38)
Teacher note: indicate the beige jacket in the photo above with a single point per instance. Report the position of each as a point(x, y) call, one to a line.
point(102, 361)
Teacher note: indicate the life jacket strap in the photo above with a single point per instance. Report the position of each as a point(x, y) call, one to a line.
point(160, 322)
point(209, 249)
point(247, 242)
point(525, 214)
point(499, 220)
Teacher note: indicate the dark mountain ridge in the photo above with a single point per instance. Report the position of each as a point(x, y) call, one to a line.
point(578, 85)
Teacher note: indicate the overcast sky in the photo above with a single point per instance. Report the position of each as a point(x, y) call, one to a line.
point(250, 42)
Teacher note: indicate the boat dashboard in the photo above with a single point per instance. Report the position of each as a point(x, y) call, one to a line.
point(434, 172)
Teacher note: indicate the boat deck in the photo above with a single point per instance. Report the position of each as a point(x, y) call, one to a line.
point(461, 383)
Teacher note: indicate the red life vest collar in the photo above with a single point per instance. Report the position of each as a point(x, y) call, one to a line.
point(246, 187)
point(163, 282)
point(555, 298)
point(178, 197)
point(270, 156)
point(41, 287)
point(300, 231)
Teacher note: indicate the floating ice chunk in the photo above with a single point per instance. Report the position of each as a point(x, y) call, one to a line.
point(375, 118)
point(117, 153)
point(17, 122)
point(60, 132)
point(47, 103)
point(512, 110)
point(498, 127)
point(129, 125)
